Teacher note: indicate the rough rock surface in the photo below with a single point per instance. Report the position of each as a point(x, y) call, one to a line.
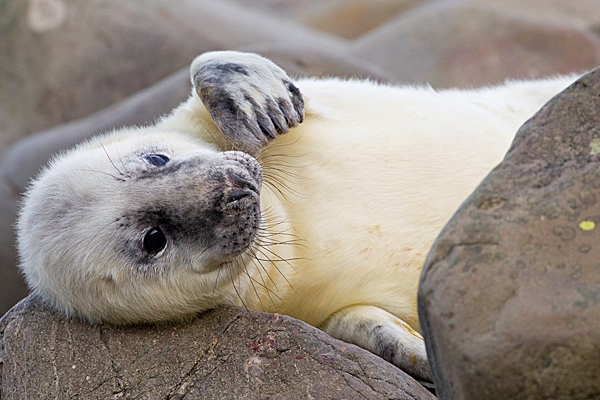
point(510, 293)
point(228, 353)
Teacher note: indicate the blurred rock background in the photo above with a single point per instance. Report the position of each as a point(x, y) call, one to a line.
point(70, 69)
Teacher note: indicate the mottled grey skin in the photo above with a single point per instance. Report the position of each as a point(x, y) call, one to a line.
point(251, 100)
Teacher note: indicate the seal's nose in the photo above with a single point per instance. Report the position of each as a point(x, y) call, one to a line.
point(240, 187)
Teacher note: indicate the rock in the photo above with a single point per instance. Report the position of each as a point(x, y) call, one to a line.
point(12, 287)
point(227, 353)
point(468, 45)
point(352, 18)
point(509, 300)
point(581, 13)
point(62, 60)
point(293, 9)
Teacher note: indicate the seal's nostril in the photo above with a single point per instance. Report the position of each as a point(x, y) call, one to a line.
point(240, 183)
point(240, 187)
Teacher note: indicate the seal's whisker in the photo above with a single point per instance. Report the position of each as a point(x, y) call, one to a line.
point(271, 164)
point(274, 262)
point(276, 179)
point(127, 174)
point(118, 178)
point(265, 157)
point(276, 174)
point(266, 232)
point(256, 260)
point(273, 224)
point(104, 227)
point(269, 291)
point(267, 259)
point(212, 297)
point(281, 172)
point(242, 267)
point(275, 190)
point(265, 224)
point(237, 292)
point(266, 237)
point(276, 186)
point(224, 143)
point(110, 159)
point(258, 267)
point(285, 243)
point(277, 145)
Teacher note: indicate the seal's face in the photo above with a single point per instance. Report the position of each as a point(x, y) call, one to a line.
point(186, 201)
point(110, 228)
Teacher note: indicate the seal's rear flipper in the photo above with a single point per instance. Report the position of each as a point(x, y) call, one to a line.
point(383, 334)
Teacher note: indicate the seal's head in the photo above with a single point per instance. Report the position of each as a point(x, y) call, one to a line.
point(139, 226)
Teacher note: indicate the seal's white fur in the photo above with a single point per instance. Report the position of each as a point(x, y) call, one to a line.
point(358, 192)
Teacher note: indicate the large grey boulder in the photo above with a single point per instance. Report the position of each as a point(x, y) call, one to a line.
point(229, 353)
point(509, 300)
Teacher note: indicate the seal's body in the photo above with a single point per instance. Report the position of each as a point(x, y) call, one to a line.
point(326, 220)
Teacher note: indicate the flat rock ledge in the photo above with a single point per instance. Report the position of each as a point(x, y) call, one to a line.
point(509, 299)
point(228, 353)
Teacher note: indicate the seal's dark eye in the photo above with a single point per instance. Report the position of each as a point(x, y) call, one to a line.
point(157, 159)
point(154, 241)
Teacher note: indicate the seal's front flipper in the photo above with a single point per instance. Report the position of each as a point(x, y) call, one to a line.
point(249, 98)
point(383, 334)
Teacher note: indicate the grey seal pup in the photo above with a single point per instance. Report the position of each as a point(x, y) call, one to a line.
point(315, 198)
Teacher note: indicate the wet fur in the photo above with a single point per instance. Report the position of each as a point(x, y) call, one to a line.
point(352, 199)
